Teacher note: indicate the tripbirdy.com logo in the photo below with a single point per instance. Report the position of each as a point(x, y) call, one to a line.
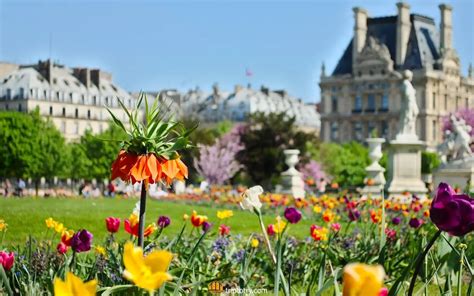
point(218, 288)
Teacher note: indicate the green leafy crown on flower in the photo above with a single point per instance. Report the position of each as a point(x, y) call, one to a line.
point(155, 132)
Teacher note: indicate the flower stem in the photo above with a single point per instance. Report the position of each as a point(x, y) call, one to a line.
point(461, 263)
point(141, 219)
point(419, 262)
point(265, 236)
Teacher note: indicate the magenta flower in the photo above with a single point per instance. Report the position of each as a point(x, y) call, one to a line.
point(206, 226)
point(415, 222)
point(7, 260)
point(396, 220)
point(354, 214)
point(81, 241)
point(112, 224)
point(451, 212)
point(163, 221)
point(292, 215)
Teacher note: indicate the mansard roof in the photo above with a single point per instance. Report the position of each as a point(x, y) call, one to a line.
point(422, 49)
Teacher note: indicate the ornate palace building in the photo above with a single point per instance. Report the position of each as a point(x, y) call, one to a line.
point(363, 92)
point(73, 98)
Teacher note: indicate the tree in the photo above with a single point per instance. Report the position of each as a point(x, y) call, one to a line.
point(100, 151)
point(345, 163)
point(217, 163)
point(265, 137)
point(31, 147)
point(466, 114)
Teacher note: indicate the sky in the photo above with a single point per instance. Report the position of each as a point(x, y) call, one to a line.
point(153, 45)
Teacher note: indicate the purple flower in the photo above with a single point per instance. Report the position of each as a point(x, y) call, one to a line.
point(206, 226)
point(81, 241)
point(415, 222)
point(354, 215)
point(163, 221)
point(396, 220)
point(451, 212)
point(292, 215)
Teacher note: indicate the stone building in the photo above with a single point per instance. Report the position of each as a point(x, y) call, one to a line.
point(74, 99)
point(363, 92)
point(236, 105)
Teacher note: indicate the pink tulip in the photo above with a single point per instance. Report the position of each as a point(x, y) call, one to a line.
point(113, 224)
point(7, 259)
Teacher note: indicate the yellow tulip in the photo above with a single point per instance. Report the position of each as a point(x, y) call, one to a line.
point(224, 214)
point(99, 250)
point(3, 225)
point(74, 286)
point(362, 280)
point(59, 227)
point(254, 243)
point(50, 223)
point(317, 209)
point(147, 272)
point(279, 225)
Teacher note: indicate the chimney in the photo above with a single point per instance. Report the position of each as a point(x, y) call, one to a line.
point(403, 31)
point(446, 27)
point(84, 76)
point(360, 31)
point(46, 69)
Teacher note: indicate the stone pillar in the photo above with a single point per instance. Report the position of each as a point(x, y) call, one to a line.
point(360, 31)
point(446, 28)
point(403, 32)
point(292, 181)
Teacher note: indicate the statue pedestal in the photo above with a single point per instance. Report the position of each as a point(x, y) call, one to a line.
point(458, 172)
point(375, 180)
point(404, 168)
point(292, 181)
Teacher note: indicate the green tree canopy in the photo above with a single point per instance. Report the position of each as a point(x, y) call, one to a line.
point(265, 137)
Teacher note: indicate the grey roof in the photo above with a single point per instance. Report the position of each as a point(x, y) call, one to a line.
point(422, 49)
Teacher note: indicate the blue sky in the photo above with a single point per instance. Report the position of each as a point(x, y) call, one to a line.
point(152, 45)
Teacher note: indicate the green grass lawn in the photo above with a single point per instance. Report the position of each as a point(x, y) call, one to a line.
point(26, 216)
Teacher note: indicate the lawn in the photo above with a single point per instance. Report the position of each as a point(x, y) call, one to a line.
point(26, 216)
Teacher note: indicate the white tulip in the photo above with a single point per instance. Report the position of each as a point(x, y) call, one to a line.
point(251, 199)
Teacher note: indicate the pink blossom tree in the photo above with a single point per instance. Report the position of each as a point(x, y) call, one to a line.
point(217, 163)
point(466, 114)
point(313, 171)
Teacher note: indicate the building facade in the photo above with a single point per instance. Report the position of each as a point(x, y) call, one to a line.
point(237, 105)
point(74, 99)
point(362, 95)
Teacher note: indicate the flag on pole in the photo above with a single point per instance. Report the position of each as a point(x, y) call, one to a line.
point(248, 72)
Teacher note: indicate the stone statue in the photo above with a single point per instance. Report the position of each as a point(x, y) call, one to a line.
point(409, 110)
point(456, 144)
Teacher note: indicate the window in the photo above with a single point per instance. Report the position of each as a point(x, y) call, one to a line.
point(384, 129)
point(434, 100)
point(20, 108)
point(357, 103)
point(50, 110)
point(106, 101)
point(88, 114)
point(333, 104)
point(76, 113)
point(334, 131)
point(384, 103)
point(83, 99)
point(445, 101)
point(64, 111)
point(95, 100)
point(70, 97)
point(21, 93)
point(370, 103)
point(466, 103)
point(45, 94)
point(357, 131)
point(370, 128)
point(58, 95)
point(9, 94)
point(31, 93)
point(435, 130)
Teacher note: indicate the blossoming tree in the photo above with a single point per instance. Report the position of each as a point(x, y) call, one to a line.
point(217, 163)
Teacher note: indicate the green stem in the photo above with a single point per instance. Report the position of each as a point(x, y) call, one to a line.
point(419, 262)
point(265, 236)
point(461, 263)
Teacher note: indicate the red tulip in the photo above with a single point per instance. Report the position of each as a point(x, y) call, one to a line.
point(62, 248)
point(7, 259)
point(113, 224)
